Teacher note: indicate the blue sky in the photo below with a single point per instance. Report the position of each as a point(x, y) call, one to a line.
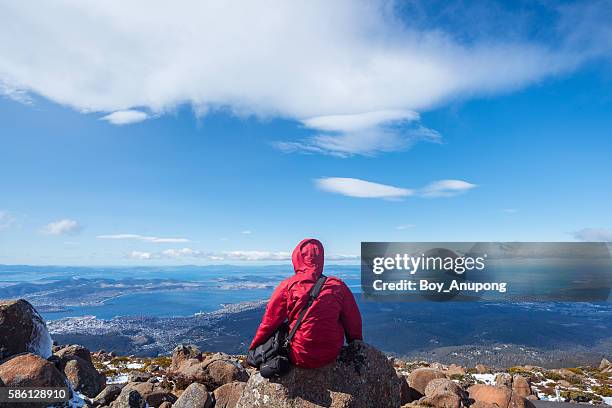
point(408, 125)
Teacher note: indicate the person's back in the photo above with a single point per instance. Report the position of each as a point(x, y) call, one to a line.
point(332, 315)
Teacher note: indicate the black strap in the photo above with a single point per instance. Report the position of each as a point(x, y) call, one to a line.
point(314, 292)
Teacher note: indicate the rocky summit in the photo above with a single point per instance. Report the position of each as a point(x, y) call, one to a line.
point(362, 376)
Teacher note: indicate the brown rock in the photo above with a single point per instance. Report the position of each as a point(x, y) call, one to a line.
point(195, 396)
point(454, 369)
point(360, 376)
point(501, 396)
point(443, 386)
point(153, 394)
point(482, 404)
point(227, 395)
point(182, 353)
point(74, 350)
point(521, 386)
point(481, 369)
point(84, 376)
point(131, 399)
point(29, 370)
point(165, 405)
point(442, 400)
point(213, 372)
point(503, 380)
point(22, 330)
point(605, 365)
point(420, 377)
point(407, 393)
point(107, 395)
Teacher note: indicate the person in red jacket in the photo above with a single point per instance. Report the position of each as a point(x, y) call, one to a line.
point(332, 316)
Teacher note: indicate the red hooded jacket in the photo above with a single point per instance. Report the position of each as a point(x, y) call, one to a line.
point(332, 315)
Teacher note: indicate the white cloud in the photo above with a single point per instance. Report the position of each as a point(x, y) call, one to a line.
point(246, 232)
point(140, 255)
point(145, 238)
point(353, 187)
point(346, 68)
point(594, 235)
point(125, 117)
point(63, 227)
point(509, 210)
point(221, 256)
point(6, 219)
point(404, 227)
point(446, 188)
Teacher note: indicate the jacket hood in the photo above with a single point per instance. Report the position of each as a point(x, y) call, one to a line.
point(308, 257)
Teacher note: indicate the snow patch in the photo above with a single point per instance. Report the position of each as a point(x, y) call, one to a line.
point(41, 343)
point(488, 379)
point(607, 400)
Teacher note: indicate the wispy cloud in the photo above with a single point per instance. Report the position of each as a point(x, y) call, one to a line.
point(125, 117)
point(593, 235)
point(145, 238)
point(446, 188)
point(63, 227)
point(346, 69)
point(6, 219)
point(246, 232)
point(404, 227)
point(353, 187)
point(238, 255)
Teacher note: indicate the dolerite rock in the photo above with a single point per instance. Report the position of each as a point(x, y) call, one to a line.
point(131, 399)
point(420, 377)
point(407, 393)
point(75, 362)
point(605, 365)
point(182, 353)
point(481, 369)
point(443, 393)
point(361, 377)
point(107, 395)
point(214, 371)
point(227, 395)
point(153, 394)
point(503, 380)
point(499, 395)
point(521, 386)
point(22, 330)
point(138, 376)
point(195, 396)
point(30, 370)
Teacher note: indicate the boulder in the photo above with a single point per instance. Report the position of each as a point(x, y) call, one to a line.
point(195, 396)
point(501, 396)
point(521, 386)
point(138, 376)
point(443, 393)
point(360, 377)
point(605, 365)
point(420, 377)
point(153, 394)
point(213, 372)
point(107, 395)
point(442, 400)
point(503, 380)
point(182, 353)
point(454, 369)
point(74, 350)
point(227, 395)
point(83, 375)
point(22, 330)
point(407, 393)
point(30, 370)
point(442, 386)
point(482, 369)
point(165, 405)
point(131, 399)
